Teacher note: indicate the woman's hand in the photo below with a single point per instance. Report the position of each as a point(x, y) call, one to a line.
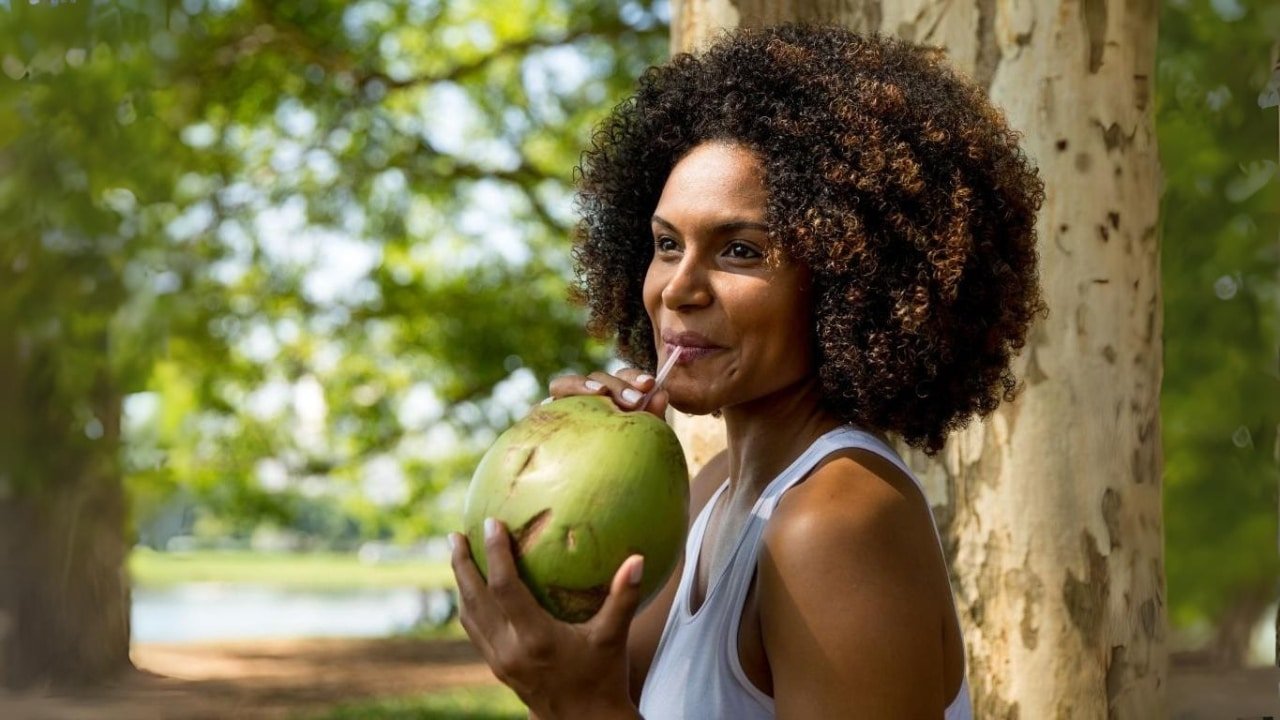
point(627, 389)
point(559, 670)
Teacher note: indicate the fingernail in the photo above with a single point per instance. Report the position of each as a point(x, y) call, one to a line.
point(643, 378)
point(490, 528)
point(631, 395)
point(592, 385)
point(637, 572)
point(547, 401)
point(452, 540)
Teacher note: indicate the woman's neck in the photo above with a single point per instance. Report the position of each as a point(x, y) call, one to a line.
point(769, 433)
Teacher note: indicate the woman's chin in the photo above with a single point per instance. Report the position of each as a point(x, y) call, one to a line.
point(693, 406)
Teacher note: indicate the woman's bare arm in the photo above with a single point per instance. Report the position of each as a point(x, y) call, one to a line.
point(851, 588)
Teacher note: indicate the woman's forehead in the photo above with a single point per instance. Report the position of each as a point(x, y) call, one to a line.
point(720, 161)
point(717, 182)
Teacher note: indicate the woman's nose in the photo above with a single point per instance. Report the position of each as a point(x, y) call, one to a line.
point(688, 286)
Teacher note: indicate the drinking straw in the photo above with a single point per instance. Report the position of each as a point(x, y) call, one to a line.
point(663, 372)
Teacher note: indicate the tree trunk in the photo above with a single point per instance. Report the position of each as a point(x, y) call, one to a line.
point(1233, 634)
point(64, 593)
point(1051, 508)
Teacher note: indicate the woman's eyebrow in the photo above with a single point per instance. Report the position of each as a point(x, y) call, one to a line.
point(728, 226)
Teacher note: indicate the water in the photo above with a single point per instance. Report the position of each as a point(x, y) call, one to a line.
point(199, 612)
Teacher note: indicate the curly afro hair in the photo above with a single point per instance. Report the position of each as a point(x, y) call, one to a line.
point(890, 176)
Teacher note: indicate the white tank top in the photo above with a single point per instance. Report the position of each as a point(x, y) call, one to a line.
point(696, 673)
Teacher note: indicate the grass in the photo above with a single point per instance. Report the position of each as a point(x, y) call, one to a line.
point(318, 571)
point(464, 703)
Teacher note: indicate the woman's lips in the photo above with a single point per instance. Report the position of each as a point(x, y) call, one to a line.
point(691, 353)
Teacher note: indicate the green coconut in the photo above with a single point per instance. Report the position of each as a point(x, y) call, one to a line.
point(582, 485)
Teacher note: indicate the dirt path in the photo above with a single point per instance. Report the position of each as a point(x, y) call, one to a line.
point(1202, 693)
point(273, 680)
point(260, 680)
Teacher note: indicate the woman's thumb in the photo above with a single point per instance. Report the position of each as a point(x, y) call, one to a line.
point(614, 618)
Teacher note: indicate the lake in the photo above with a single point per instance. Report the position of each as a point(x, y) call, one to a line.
point(201, 612)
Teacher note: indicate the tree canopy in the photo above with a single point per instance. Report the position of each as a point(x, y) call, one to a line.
point(321, 247)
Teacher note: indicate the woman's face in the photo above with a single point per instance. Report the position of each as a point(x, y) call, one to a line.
point(744, 322)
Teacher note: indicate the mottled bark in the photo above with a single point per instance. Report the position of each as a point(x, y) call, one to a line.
point(702, 437)
point(1051, 508)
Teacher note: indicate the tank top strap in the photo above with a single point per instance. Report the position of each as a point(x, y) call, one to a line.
point(845, 437)
point(692, 550)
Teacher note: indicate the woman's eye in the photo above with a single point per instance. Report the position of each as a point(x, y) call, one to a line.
point(662, 243)
point(742, 251)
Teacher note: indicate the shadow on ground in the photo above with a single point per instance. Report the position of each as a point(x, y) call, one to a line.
point(260, 680)
point(275, 680)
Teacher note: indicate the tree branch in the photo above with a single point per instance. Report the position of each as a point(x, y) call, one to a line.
point(299, 40)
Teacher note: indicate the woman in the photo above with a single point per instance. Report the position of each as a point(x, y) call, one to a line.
point(839, 232)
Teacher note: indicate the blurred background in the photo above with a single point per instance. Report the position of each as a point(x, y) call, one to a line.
point(274, 274)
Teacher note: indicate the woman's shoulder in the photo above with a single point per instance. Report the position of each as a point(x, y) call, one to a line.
point(854, 488)
point(857, 516)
